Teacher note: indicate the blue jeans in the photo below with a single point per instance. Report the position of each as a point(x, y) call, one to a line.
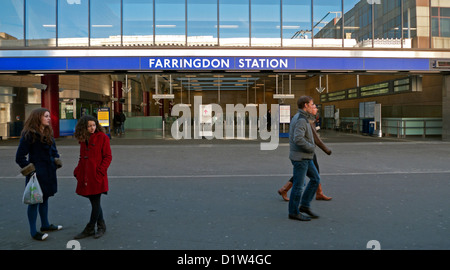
point(32, 212)
point(302, 169)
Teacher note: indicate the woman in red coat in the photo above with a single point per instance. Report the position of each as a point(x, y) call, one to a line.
point(91, 172)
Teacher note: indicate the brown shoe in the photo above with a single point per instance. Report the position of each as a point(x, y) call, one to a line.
point(283, 191)
point(320, 195)
point(89, 230)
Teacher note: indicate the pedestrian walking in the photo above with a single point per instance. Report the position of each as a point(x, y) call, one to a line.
point(319, 193)
point(37, 154)
point(301, 154)
point(91, 171)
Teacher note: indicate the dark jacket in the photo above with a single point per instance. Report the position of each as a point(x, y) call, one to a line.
point(43, 157)
point(122, 117)
point(317, 140)
point(301, 138)
point(91, 172)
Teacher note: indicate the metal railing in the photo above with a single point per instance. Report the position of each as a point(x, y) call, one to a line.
point(402, 128)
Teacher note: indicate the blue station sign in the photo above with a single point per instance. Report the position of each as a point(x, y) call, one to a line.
point(220, 63)
point(145, 63)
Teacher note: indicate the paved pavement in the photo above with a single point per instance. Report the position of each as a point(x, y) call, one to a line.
point(221, 195)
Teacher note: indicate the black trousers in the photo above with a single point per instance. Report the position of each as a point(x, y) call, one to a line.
point(97, 212)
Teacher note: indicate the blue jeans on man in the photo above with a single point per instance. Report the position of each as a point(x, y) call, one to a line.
point(302, 169)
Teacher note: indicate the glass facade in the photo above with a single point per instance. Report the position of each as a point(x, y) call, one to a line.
point(137, 28)
point(297, 23)
point(12, 25)
point(234, 22)
point(170, 22)
point(202, 23)
point(225, 23)
point(265, 23)
point(327, 21)
point(40, 23)
point(73, 23)
point(105, 22)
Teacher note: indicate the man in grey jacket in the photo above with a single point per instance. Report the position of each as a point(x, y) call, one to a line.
point(301, 144)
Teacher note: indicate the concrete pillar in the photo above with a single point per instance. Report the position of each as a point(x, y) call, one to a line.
point(146, 101)
point(50, 100)
point(446, 109)
point(117, 91)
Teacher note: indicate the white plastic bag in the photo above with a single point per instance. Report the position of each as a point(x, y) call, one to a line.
point(33, 192)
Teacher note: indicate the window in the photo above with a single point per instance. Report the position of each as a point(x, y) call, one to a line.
point(327, 20)
point(234, 23)
point(388, 24)
point(40, 23)
point(170, 22)
point(444, 25)
point(11, 22)
point(265, 23)
point(202, 23)
point(440, 22)
point(105, 22)
point(351, 27)
point(296, 23)
point(7, 95)
point(137, 22)
point(73, 28)
point(66, 108)
point(409, 19)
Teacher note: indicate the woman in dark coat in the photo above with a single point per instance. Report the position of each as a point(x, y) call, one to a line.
point(38, 144)
point(91, 172)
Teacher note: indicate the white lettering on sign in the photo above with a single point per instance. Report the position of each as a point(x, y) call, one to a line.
point(262, 63)
point(218, 63)
point(170, 63)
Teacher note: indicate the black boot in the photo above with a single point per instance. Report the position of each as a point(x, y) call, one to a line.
point(307, 210)
point(89, 230)
point(101, 229)
point(299, 217)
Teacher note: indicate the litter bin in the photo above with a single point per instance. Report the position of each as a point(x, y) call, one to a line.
point(366, 126)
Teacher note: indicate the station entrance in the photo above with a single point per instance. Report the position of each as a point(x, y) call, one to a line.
point(376, 103)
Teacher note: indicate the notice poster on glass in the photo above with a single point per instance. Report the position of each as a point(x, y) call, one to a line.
point(329, 111)
point(285, 114)
point(103, 117)
point(361, 110)
point(367, 109)
point(205, 120)
point(206, 114)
